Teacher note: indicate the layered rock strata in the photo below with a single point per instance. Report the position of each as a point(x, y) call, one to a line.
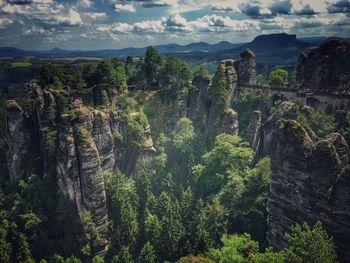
point(309, 182)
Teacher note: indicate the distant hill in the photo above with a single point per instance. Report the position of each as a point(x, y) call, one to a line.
point(273, 49)
point(163, 49)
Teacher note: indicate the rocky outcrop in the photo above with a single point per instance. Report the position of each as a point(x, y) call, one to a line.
point(285, 110)
point(230, 122)
point(228, 66)
point(247, 68)
point(81, 155)
point(309, 181)
point(16, 138)
point(253, 131)
point(325, 69)
point(196, 108)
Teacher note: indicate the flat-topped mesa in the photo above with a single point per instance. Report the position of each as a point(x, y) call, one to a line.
point(309, 182)
point(325, 69)
point(247, 68)
point(16, 138)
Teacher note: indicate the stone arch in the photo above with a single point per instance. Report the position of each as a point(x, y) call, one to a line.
point(313, 102)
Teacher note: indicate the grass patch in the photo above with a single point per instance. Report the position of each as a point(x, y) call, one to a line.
point(20, 64)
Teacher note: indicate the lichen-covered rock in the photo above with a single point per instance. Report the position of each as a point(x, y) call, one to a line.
point(253, 131)
point(308, 183)
point(325, 69)
point(285, 110)
point(247, 68)
point(230, 122)
point(16, 138)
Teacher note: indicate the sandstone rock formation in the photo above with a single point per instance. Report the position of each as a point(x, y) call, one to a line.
point(309, 181)
point(16, 138)
point(86, 149)
point(231, 77)
point(325, 69)
point(253, 131)
point(230, 122)
point(247, 68)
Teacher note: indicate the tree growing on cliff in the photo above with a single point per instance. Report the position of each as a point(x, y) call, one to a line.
point(174, 78)
point(278, 77)
point(152, 67)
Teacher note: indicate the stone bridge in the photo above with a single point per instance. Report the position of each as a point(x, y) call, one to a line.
point(319, 101)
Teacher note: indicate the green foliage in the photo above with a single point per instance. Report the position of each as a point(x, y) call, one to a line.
point(246, 106)
point(123, 204)
point(229, 157)
point(136, 124)
point(309, 244)
point(261, 81)
point(174, 78)
point(235, 249)
point(147, 254)
point(217, 92)
point(278, 77)
point(152, 66)
point(321, 123)
point(98, 259)
point(201, 71)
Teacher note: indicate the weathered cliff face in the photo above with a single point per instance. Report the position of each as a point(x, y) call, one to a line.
point(231, 78)
point(16, 138)
point(309, 181)
point(247, 68)
point(253, 131)
point(230, 122)
point(85, 148)
point(325, 69)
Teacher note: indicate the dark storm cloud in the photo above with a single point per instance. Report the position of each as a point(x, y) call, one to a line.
point(281, 7)
point(342, 6)
point(154, 4)
point(251, 9)
point(306, 10)
point(19, 2)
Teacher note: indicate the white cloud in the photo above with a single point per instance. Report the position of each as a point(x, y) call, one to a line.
point(225, 7)
point(4, 22)
point(149, 26)
point(71, 19)
point(124, 8)
point(176, 22)
point(121, 28)
point(85, 3)
point(94, 15)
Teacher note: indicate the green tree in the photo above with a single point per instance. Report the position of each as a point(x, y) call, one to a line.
point(24, 253)
point(229, 157)
point(123, 203)
point(278, 77)
point(98, 259)
point(201, 71)
point(174, 78)
point(235, 249)
point(309, 244)
point(152, 67)
point(245, 199)
point(217, 92)
point(147, 254)
point(184, 144)
point(261, 81)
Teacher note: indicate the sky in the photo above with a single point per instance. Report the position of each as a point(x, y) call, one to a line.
point(113, 24)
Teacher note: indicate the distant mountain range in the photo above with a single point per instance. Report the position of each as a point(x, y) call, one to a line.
point(273, 49)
